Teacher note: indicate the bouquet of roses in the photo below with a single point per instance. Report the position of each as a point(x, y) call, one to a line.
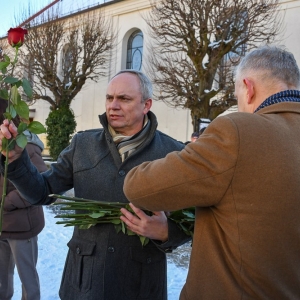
point(89, 213)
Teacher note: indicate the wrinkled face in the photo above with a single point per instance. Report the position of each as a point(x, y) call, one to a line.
point(125, 110)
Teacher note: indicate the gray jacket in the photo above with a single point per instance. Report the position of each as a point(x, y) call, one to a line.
point(101, 263)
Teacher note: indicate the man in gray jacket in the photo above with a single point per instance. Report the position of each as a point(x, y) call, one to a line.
point(101, 263)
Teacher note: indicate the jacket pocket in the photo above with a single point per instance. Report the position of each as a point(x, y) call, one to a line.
point(146, 279)
point(16, 221)
point(79, 265)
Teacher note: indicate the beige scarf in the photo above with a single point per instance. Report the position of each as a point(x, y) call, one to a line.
point(128, 144)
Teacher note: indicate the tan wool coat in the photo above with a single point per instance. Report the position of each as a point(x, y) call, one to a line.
point(243, 177)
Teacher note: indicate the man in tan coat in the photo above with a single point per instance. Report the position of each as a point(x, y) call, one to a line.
point(243, 177)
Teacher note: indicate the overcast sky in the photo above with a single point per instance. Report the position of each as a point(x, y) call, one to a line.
point(11, 10)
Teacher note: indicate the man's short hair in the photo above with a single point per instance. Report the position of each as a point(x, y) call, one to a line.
point(145, 83)
point(279, 64)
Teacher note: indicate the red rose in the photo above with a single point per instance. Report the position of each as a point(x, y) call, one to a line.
point(16, 36)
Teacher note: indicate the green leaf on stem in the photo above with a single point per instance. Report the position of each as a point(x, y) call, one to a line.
point(3, 66)
point(85, 226)
point(4, 143)
point(97, 215)
point(118, 227)
point(4, 94)
point(22, 127)
point(27, 87)
point(7, 116)
point(11, 113)
point(11, 80)
point(144, 240)
point(21, 140)
point(15, 96)
point(18, 84)
point(123, 227)
point(8, 144)
point(36, 127)
point(11, 144)
point(116, 221)
point(188, 214)
point(6, 58)
point(22, 110)
point(129, 232)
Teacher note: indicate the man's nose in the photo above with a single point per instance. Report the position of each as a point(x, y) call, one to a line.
point(114, 104)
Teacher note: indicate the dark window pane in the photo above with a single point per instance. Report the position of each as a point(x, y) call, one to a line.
point(135, 51)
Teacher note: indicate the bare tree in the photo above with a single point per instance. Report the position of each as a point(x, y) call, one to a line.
point(65, 54)
point(195, 43)
point(60, 55)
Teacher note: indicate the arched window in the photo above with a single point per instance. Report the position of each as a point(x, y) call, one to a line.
point(28, 69)
point(135, 51)
point(67, 59)
point(28, 73)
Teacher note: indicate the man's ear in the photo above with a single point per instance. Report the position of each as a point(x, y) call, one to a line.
point(148, 104)
point(250, 89)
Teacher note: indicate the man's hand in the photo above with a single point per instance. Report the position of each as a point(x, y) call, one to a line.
point(8, 130)
point(154, 227)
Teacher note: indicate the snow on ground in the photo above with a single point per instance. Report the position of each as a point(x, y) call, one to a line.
point(53, 250)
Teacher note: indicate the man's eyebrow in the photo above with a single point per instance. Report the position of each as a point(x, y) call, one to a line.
point(119, 95)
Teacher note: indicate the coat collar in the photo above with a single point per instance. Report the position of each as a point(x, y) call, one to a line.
point(283, 96)
point(290, 107)
point(111, 145)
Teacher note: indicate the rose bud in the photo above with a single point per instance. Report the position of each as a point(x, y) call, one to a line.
point(16, 36)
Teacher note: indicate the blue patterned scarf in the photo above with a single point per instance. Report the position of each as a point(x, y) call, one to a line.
point(285, 96)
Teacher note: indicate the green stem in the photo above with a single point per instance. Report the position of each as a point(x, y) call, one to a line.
point(6, 159)
point(82, 200)
point(16, 57)
point(12, 73)
point(4, 189)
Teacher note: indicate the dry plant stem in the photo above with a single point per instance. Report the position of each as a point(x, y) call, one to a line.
point(6, 159)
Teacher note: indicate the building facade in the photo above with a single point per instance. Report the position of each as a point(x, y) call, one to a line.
point(131, 52)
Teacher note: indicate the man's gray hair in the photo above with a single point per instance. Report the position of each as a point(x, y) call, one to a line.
point(145, 83)
point(277, 62)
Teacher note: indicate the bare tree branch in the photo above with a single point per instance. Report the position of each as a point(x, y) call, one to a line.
point(66, 53)
point(195, 44)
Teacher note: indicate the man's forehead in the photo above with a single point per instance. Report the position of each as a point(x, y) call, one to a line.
point(123, 84)
point(122, 89)
point(124, 76)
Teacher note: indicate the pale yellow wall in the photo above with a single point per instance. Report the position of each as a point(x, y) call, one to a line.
point(291, 27)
